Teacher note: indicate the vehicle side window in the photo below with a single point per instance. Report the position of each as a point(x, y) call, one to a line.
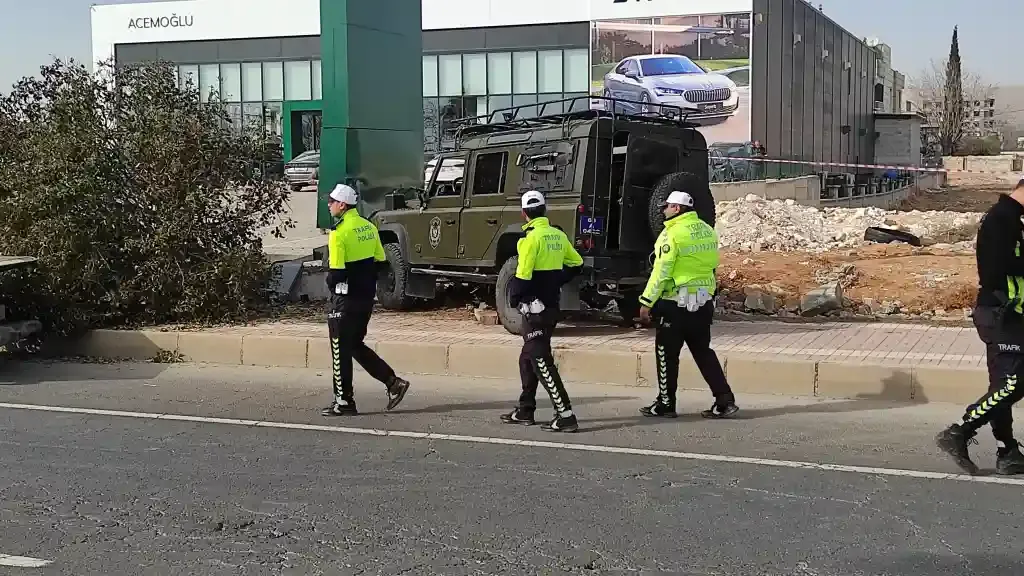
point(489, 173)
point(447, 177)
point(633, 67)
point(650, 161)
point(623, 67)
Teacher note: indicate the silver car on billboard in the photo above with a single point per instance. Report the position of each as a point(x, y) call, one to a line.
point(670, 79)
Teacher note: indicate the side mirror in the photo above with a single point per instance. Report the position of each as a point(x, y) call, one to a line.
point(633, 75)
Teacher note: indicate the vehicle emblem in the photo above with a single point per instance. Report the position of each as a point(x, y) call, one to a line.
point(435, 232)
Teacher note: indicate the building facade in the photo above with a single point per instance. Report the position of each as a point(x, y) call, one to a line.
point(788, 76)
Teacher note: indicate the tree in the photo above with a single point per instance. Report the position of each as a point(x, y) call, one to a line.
point(144, 203)
point(953, 112)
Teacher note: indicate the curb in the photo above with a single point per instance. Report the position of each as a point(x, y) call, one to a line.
point(747, 373)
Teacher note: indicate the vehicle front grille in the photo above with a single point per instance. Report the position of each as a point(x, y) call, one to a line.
point(702, 96)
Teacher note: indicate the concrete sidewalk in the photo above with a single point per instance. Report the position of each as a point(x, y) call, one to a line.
point(837, 360)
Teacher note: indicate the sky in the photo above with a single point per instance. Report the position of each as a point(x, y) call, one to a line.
point(917, 30)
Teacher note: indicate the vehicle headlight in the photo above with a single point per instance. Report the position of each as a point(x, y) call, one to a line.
point(660, 91)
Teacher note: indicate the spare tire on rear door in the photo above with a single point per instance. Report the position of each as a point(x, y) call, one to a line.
point(698, 188)
point(888, 236)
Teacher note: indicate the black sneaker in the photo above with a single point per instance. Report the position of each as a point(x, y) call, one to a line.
point(721, 411)
point(562, 424)
point(519, 416)
point(658, 410)
point(954, 441)
point(1010, 462)
point(396, 392)
point(336, 409)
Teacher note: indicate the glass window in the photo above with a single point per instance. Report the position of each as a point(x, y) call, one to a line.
point(252, 81)
point(523, 100)
point(498, 103)
point(234, 114)
point(273, 81)
point(548, 104)
point(449, 75)
point(431, 126)
point(272, 116)
point(429, 76)
point(474, 74)
point(253, 115)
point(298, 84)
point(577, 70)
point(209, 80)
point(580, 105)
point(499, 73)
point(549, 71)
point(188, 74)
point(489, 173)
point(231, 82)
point(318, 80)
point(524, 72)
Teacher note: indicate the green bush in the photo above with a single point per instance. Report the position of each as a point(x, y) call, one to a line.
point(988, 146)
point(143, 204)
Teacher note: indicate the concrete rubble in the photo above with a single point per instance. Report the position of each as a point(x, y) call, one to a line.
point(754, 224)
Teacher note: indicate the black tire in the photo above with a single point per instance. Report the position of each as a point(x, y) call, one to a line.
point(391, 286)
point(703, 200)
point(629, 309)
point(888, 236)
point(509, 317)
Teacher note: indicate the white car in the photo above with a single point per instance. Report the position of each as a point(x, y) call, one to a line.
point(646, 81)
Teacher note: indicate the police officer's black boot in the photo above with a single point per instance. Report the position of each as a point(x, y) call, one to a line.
point(954, 441)
point(521, 416)
point(341, 408)
point(396, 392)
point(724, 407)
point(562, 423)
point(1009, 460)
point(658, 410)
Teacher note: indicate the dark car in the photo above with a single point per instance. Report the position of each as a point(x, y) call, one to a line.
point(303, 170)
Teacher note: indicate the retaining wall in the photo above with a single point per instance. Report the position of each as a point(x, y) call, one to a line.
point(748, 373)
point(804, 190)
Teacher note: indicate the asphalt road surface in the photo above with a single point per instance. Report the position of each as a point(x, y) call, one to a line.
point(93, 480)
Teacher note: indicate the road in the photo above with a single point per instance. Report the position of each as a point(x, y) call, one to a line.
point(130, 492)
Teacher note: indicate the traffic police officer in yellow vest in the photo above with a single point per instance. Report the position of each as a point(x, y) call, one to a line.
point(679, 297)
point(547, 260)
point(355, 259)
point(999, 318)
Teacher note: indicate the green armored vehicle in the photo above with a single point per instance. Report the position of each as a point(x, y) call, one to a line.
point(604, 176)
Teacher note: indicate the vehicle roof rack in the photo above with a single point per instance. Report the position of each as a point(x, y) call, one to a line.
point(510, 119)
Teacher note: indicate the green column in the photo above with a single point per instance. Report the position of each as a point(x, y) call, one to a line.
point(372, 98)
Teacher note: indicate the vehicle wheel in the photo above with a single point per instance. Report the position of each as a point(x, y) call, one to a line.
point(645, 104)
point(703, 201)
point(888, 236)
point(629, 309)
point(510, 318)
point(392, 284)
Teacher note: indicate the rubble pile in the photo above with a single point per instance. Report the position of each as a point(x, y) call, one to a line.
point(754, 224)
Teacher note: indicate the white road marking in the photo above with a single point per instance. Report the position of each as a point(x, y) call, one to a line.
point(919, 474)
point(23, 562)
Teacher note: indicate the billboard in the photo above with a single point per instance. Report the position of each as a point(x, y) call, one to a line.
point(697, 62)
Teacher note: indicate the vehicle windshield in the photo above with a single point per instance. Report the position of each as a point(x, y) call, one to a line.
point(309, 155)
point(669, 66)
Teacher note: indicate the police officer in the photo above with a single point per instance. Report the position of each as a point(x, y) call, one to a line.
point(547, 260)
point(999, 319)
point(680, 298)
point(355, 254)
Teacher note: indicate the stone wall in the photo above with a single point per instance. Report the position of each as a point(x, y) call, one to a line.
point(899, 141)
point(805, 190)
point(995, 164)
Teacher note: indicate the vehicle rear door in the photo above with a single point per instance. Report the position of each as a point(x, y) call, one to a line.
point(485, 203)
point(647, 162)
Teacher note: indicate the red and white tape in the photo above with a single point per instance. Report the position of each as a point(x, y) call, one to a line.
point(878, 166)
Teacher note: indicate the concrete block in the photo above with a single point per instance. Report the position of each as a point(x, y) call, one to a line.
point(318, 354)
point(864, 381)
point(125, 344)
point(483, 361)
point(283, 351)
point(770, 376)
point(210, 348)
point(956, 385)
point(415, 357)
point(689, 375)
point(598, 366)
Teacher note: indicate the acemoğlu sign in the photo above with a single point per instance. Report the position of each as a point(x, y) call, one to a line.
point(172, 21)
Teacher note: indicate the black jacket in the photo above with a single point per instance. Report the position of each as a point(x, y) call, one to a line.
point(999, 237)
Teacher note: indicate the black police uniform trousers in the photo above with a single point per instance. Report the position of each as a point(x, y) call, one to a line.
point(1003, 335)
point(537, 363)
point(347, 321)
point(674, 327)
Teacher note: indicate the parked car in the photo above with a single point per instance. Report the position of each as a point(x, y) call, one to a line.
point(641, 83)
point(740, 76)
point(303, 170)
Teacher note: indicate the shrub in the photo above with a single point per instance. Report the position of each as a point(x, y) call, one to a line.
point(988, 146)
point(143, 204)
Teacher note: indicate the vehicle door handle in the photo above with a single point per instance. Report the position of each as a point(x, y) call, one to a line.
point(450, 222)
point(492, 221)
